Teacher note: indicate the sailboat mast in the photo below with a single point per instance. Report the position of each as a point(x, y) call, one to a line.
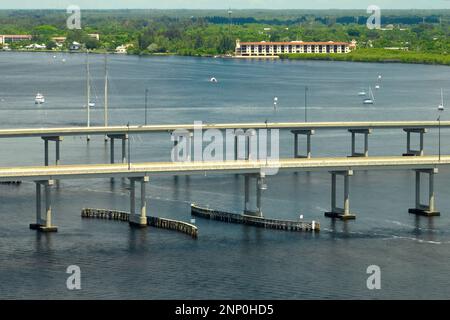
point(106, 90)
point(88, 90)
point(106, 94)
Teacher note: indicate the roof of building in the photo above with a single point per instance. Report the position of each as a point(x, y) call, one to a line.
point(16, 35)
point(296, 43)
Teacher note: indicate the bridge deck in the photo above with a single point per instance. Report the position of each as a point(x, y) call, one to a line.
point(228, 167)
point(74, 131)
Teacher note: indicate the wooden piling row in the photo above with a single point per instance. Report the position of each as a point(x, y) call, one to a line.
point(105, 214)
point(176, 225)
point(286, 225)
point(156, 222)
point(11, 182)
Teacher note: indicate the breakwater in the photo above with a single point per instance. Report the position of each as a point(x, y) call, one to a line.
point(11, 182)
point(286, 225)
point(156, 222)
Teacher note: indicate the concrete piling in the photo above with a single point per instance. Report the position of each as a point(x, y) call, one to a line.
point(412, 152)
point(308, 134)
point(43, 224)
point(428, 210)
point(366, 133)
point(337, 212)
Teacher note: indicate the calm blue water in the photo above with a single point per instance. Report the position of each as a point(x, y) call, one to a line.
point(227, 261)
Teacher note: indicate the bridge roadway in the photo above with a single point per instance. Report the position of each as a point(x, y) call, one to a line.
point(218, 167)
point(140, 172)
point(122, 130)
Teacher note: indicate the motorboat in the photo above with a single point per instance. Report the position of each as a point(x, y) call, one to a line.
point(40, 99)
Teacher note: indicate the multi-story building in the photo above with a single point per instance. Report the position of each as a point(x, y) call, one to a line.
point(8, 38)
point(264, 49)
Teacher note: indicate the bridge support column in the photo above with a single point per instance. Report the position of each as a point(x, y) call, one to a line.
point(260, 186)
point(57, 141)
point(138, 220)
point(366, 133)
point(308, 134)
point(43, 224)
point(124, 138)
point(409, 151)
point(337, 212)
point(428, 210)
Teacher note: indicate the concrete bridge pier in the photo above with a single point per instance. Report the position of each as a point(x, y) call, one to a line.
point(57, 141)
point(308, 134)
point(428, 210)
point(138, 220)
point(260, 185)
point(337, 212)
point(43, 224)
point(366, 133)
point(409, 151)
point(124, 138)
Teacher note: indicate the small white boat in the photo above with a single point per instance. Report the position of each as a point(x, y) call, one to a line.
point(370, 99)
point(377, 86)
point(379, 76)
point(362, 93)
point(441, 106)
point(91, 104)
point(213, 80)
point(40, 99)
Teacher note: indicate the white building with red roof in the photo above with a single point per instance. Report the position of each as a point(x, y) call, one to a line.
point(268, 49)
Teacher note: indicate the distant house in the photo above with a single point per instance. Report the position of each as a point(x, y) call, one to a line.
point(36, 46)
point(8, 38)
point(59, 40)
point(95, 36)
point(123, 49)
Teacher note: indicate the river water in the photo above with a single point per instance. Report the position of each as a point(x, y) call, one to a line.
point(226, 261)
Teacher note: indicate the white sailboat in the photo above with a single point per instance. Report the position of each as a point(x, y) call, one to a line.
point(370, 99)
point(441, 106)
point(362, 93)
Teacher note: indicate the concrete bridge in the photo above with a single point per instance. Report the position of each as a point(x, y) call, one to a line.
point(141, 173)
point(297, 129)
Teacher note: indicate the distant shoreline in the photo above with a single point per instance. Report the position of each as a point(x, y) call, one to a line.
point(360, 55)
point(377, 56)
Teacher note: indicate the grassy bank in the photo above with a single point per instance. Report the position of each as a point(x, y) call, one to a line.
point(376, 55)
